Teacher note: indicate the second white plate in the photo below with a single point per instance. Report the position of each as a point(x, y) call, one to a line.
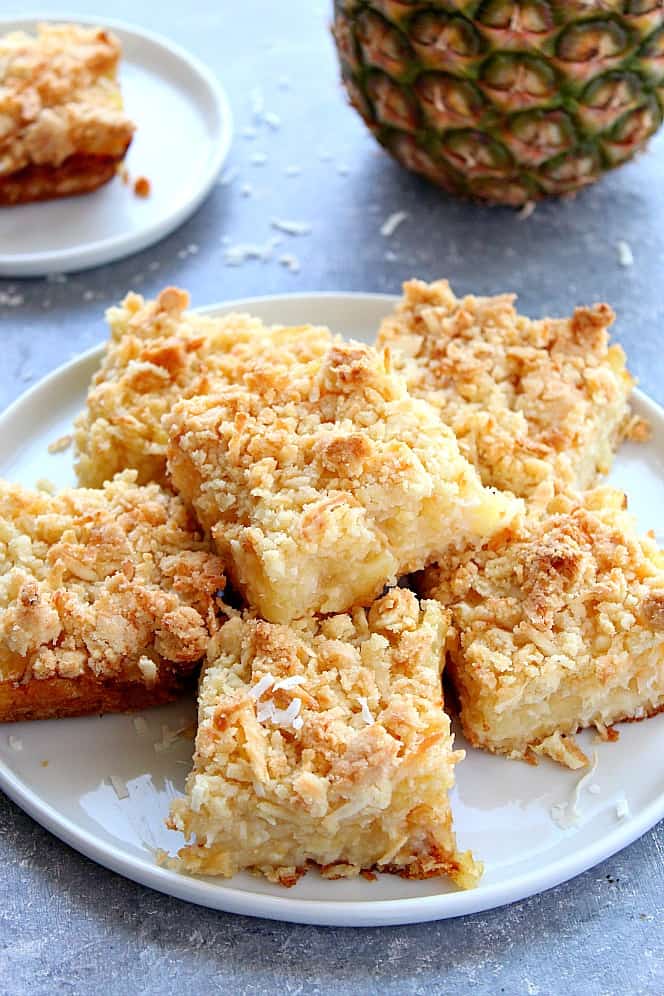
point(183, 134)
point(502, 809)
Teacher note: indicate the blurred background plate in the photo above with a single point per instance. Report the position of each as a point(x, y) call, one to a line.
point(59, 771)
point(183, 135)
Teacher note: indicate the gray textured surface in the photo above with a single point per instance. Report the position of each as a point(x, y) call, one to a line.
point(69, 926)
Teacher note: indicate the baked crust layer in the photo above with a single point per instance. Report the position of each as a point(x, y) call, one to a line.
point(106, 597)
point(325, 743)
point(78, 174)
point(530, 401)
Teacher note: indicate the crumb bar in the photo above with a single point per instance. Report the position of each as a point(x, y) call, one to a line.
point(62, 127)
point(107, 599)
point(158, 353)
point(558, 625)
point(322, 482)
point(325, 743)
point(529, 401)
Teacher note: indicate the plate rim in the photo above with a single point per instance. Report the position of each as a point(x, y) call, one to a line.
point(371, 912)
point(96, 253)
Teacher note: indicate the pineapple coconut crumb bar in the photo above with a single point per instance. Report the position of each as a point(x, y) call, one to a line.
point(325, 743)
point(106, 599)
point(62, 127)
point(322, 471)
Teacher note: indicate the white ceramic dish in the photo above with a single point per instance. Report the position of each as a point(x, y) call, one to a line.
point(502, 808)
point(183, 134)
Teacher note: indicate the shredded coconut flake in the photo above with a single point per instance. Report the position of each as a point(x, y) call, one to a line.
point(140, 726)
point(366, 712)
point(526, 211)
point(567, 814)
point(391, 224)
point(239, 254)
point(291, 682)
point(119, 786)
point(622, 809)
point(15, 743)
point(246, 190)
point(259, 159)
point(594, 789)
point(625, 254)
point(262, 686)
point(249, 132)
point(286, 717)
point(272, 120)
point(291, 227)
point(293, 170)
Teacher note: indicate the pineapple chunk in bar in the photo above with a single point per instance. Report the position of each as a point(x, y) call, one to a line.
point(558, 625)
point(322, 482)
point(158, 353)
point(529, 401)
point(62, 127)
point(325, 743)
point(107, 599)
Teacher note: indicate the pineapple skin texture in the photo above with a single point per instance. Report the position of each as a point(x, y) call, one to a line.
point(505, 102)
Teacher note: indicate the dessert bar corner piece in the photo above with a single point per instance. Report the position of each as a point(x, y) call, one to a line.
point(558, 625)
point(62, 127)
point(322, 482)
point(529, 401)
point(325, 743)
point(158, 353)
point(107, 599)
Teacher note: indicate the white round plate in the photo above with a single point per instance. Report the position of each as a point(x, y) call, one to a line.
point(502, 809)
point(183, 134)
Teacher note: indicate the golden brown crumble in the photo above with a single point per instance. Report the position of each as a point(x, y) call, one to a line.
point(59, 103)
point(530, 401)
point(558, 624)
point(103, 589)
point(158, 353)
point(323, 481)
point(325, 743)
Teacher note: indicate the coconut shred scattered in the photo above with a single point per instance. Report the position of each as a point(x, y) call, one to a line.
point(622, 809)
point(267, 711)
point(567, 814)
point(291, 227)
point(625, 254)
point(15, 743)
point(366, 712)
point(391, 224)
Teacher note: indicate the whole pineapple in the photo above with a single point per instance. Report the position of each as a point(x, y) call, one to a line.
point(505, 102)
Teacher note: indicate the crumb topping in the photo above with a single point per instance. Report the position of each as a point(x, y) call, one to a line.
point(305, 468)
point(158, 353)
point(273, 794)
point(59, 96)
point(529, 401)
point(558, 621)
point(117, 582)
